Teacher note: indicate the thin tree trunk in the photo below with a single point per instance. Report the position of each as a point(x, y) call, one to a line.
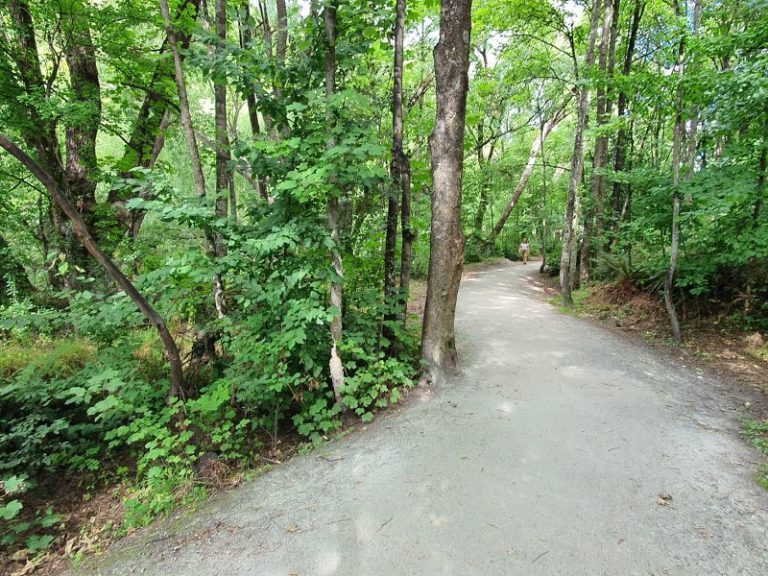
point(536, 147)
point(147, 137)
point(186, 118)
point(391, 294)
point(407, 238)
point(621, 110)
point(677, 153)
point(446, 258)
point(176, 376)
point(568, 257)
point(282, 32)
point(246, 42)
point(337, 294)
point(223, 177)
point(194, 151)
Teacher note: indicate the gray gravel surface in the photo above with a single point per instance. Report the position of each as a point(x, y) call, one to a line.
point(562, 449)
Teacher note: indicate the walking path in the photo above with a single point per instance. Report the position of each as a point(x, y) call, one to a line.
point(563, 449)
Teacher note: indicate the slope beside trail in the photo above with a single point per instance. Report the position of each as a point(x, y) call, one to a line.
point(562, 449)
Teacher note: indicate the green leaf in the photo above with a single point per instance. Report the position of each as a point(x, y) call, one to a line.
point(14, 484)
point(36, 542)
point(11, 510)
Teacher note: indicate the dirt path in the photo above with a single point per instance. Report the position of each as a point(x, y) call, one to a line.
point(548, 456)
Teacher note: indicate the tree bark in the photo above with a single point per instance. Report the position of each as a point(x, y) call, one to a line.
point(40, 133)
point(677, 159)
point(81, 230)
point(246, 42)
point(81, 134)
point(622, 136)
point(446, 258)
point(593, 223)
point(282, 32)
point(395, 170)
point(337, 290)
point(186, 117)
point(568, 257)
point(194, 150)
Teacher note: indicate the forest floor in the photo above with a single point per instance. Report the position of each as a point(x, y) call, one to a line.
point(562, 448)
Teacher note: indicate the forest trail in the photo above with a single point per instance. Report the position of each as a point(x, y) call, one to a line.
point(551, 455)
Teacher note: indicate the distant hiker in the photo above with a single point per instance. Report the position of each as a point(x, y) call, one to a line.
point(525, 249)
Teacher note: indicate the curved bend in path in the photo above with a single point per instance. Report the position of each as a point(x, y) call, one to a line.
point(546, 457)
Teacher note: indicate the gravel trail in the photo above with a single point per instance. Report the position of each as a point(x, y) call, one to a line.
point(562, 449)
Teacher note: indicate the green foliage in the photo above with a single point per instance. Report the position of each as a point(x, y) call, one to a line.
point(757, 432)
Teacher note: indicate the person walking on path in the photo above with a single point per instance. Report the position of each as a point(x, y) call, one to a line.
point(525, 249)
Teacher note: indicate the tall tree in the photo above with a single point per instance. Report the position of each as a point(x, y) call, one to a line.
point(677, 160)
point(593, 222)
point(446, 256)
point(194, 150)
point(396, 170)
point(620, 190)
point(568, 257)
point(337, 294)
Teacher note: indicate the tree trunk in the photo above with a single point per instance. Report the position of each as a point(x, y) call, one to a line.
point(81, 230)
point(194, 150)
point(536, 147)
point(40, 133)
point(391, 296)
point(147, 137)
point(407, 238)
point(677, 153)
point(568, 257)
point(223, 177)
point(621, 110)
point(246, 42)
point(81, 136)
point(446, 258)
point(593, 224)
point(337, 294)
point(282, 32)
point(186, 118)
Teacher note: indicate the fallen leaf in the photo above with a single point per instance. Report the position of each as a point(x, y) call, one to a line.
point(664, 499)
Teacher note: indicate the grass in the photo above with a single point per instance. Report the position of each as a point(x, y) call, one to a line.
point(60, 356)
point(757, 432)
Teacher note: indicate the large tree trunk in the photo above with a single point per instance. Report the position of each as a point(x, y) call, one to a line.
point(81, 230)
point(337, 294)
point(396, 171)
point(446, 257)
point(536, 147)
point(81, 135)
point(40, 134)
point(568, 257)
